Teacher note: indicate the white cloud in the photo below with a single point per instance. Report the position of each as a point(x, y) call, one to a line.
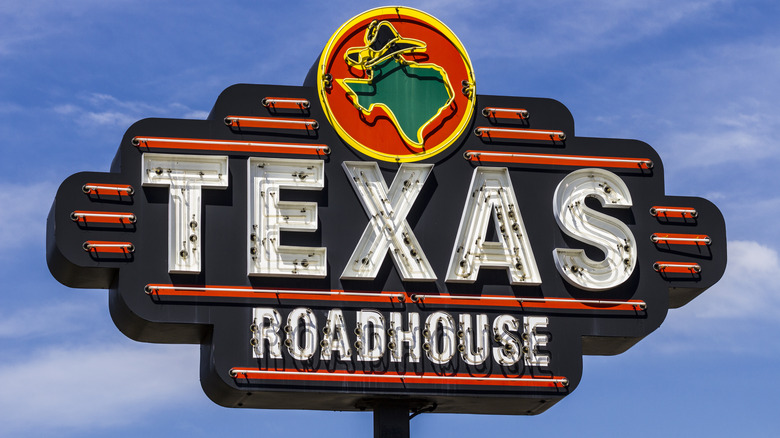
point(36, 322)
point(10, 108)
point(24, 22)
point(67, 389)
point(748, 289)
point(112, 118)
point(724, 122)
point(199, 115)
point(737, 319)
point(106, 110)
point(23, 211)
point(66, 109)
point(707, 106)
point(740, 314)
point(717, 146)
point(560, 28)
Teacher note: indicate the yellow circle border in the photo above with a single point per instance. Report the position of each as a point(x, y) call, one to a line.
point(438, 25)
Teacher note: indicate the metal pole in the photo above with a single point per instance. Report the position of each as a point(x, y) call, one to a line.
point(391, 420)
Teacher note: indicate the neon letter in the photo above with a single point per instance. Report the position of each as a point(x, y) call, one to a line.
point(335, 337)
point(439, 352)
point(295, 333)
point(534, 340)
point(262, 332)
point(491, 194)
point(474, 341)
point(387, 228)
point(371, 335)
point(398, 336)
point(604, 232)
point(269, 216)
point(186, 175)
point(508, 353)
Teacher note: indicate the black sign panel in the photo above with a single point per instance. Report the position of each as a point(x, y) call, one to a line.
point(319, 270)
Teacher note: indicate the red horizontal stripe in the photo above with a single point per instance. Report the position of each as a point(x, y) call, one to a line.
point(505, 113)
point(384, 297)
point(558, 160)
point(678, 268)
point(232, 146)
point(270, 123)
point(675, 211)
point(108, 189)
point(359, 376)
point(115, 248)
point(524, 134)
point(680, 239)
point(95, 216)
point(286, 102)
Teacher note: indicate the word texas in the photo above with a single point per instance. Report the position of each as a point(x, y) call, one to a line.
point(490, 196)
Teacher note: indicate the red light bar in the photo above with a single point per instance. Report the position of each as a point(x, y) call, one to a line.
point(554, 303)
point(505, 113)
point(680, 239)
point(111, 247)
point(558, 160)
point(107, 189)
point(271, 123)
point(390, 297)
point(285, 102)
point(673, 211)
point(519, 134)
point(103, 217)
point(424, 378)
point(230, 145)
point(248, 292)
point(677, 267)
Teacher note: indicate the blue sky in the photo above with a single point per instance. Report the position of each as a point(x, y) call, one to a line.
point(697, 80)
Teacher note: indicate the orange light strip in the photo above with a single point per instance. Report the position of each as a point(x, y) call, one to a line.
point(508, 113)
point(112, 247)
point(285, 102)
point(230, 145)
point(103, 217)
point(424, 379)
point(673, 211)
point(107, 189)
point(519, 134)
point(680, 239)
point(391, 297)
point(248, 292)
point(558, 160)
point(554, 303)
point(677, 267)
point(271, 123)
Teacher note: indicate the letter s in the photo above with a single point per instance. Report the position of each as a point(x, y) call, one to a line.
point(604, 232)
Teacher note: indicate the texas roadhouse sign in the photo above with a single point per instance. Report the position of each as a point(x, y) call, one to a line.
point(383, 232)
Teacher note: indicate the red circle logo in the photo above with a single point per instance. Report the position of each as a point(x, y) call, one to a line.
point(396, 84)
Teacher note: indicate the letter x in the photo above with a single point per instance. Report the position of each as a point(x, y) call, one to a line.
point(387, 228)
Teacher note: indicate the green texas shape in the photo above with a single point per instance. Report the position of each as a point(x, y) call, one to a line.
point(412, 94)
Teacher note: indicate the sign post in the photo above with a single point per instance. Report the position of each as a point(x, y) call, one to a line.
point(385, 238)
point(391, 420)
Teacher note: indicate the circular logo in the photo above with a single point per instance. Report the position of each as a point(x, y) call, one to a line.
point(396, 84)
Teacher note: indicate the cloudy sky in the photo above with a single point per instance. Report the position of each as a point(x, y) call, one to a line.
point(697, 80)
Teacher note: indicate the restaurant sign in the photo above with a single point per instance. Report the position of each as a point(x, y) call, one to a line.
point(383, 232)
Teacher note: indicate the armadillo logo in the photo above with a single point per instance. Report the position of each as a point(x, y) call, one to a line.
point(396, 84)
